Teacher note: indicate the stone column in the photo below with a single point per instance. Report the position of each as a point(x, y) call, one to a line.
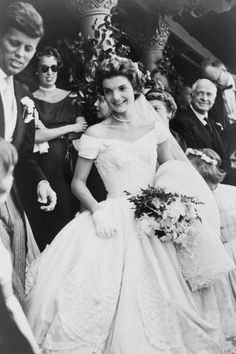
point(87, 11)
point(153, 51)
point(150, 38)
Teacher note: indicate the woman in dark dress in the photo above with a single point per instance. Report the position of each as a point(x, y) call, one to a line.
point(58, 124)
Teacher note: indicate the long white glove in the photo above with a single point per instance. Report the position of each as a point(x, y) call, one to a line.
point(104, 225)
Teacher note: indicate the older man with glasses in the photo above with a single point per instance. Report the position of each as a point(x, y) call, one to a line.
point(195, 123)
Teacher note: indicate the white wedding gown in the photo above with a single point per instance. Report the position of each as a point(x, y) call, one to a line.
point(124, 295)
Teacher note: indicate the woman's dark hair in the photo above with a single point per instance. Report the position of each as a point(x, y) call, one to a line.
point(164, 97)
point(119, 66)
point(48, 52)
point(24, 17)
point(8, 157)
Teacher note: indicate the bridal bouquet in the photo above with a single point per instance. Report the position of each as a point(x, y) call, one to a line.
point(169, 216)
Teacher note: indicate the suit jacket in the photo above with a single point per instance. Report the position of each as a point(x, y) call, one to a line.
point(229, 139)
point(197, 136)
point(27, 171)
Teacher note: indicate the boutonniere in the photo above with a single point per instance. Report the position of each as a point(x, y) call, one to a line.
point(219, 125)
point(29, 112)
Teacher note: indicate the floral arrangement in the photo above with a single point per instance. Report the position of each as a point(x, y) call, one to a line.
point(29, 110)
point(169, 216)
point(30, 113)
point(202, 156)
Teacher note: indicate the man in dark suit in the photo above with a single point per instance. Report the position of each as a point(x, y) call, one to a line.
point(194, 123)
point(21, 28)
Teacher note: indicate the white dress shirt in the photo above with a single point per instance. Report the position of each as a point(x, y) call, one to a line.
point(200, 116)
point(230, 100)
point(9, 104)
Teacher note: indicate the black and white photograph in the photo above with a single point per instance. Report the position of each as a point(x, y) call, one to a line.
point(118, 177)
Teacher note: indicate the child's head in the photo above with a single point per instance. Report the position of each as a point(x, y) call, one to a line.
point(207, 162)
point(8, 159)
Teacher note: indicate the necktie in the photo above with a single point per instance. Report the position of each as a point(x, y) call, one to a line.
point(208, 125)
point(9, 105)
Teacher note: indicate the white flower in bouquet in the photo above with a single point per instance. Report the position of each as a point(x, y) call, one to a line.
point(146, 226)
point(157, 203)
point(176, 209)
point(168, 222)
point(167, 238)
point(192, 212)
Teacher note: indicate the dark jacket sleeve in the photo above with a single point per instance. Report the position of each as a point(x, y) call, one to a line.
point(27, 169)
point(11, 338)
point(181, 125)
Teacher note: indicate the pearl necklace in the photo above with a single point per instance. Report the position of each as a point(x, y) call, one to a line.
point(120, 119)
point(47, 89)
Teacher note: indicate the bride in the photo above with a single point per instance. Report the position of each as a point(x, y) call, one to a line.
point(99, 288)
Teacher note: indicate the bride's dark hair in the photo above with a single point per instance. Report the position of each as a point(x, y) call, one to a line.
point(119, 66)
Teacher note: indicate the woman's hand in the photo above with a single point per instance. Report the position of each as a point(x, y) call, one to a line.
point(39, 124)
point(43, 134)
point(104, 226)
point(79, 127)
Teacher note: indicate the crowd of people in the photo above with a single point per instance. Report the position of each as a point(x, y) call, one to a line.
point(76, 277)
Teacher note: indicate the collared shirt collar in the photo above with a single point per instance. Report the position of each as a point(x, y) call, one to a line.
point(199, 115)
point(3, 76)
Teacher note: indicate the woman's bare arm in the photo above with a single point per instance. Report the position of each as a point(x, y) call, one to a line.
point(78, 185)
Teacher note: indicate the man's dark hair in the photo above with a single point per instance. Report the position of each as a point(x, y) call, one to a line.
point(24, 17)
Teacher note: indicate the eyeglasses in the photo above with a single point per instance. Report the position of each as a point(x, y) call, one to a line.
point(45, 68)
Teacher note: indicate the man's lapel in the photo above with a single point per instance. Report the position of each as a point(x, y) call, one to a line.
point(200, 131)
point(19, 130)
point(2, 121)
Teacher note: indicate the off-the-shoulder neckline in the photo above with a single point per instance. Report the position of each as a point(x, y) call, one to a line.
point(124, 141)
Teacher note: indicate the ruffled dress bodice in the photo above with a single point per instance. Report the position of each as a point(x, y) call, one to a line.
point(124, 166)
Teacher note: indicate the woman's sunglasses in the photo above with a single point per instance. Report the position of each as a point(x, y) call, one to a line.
point(45, 68)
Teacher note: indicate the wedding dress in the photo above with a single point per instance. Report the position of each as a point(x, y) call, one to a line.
point(122, 295)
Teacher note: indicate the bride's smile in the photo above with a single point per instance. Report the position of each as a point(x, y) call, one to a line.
point(118, 93)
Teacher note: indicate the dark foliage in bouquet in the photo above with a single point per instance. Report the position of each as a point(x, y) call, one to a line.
point(83, 54)
point(144, 201)
point(170, 216)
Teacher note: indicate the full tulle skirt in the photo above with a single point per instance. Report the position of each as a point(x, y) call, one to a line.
point(120, 295)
